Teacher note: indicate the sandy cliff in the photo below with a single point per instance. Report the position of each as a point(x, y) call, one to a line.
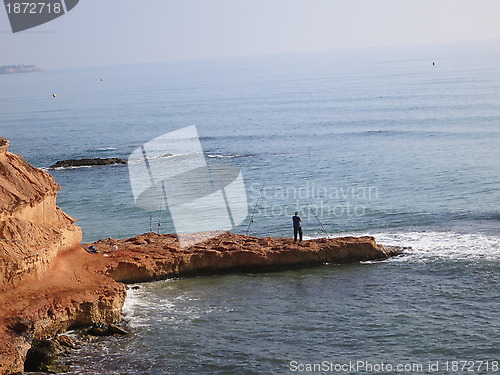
point(33, 230)
point(49, 283)
point(40, 292)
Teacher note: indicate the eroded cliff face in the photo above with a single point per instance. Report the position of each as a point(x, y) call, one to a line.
point(33, 230)
point(45, 287)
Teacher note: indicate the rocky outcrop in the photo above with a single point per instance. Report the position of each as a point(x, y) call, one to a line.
point(87, 162)
point(59, 300)
point(4, 145)
point(154, 256)
point(33, 230)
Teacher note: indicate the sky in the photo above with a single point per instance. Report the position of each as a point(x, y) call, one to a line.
point(113, 32)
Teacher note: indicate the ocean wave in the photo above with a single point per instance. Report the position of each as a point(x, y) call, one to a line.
point(172, 155)
point(448, 245)
point(218, 156)
point(136, 301)
point(169, 155)
point(47, 169)
point(254, 136)
point(163, 297)
point(429, 245)
point(106, 148)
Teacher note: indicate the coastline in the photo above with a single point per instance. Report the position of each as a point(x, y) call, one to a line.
point(49, 283)
point(412, 146)
point(15, 69)
point(151, 256)
point(82, 289)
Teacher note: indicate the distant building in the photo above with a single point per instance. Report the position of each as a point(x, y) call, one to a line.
point(11, 69)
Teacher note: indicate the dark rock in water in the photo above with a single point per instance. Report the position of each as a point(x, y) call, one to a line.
point(66, 341)
point(87, 162)
point(106, 330)
point(43, 356)
point(117, 330)
point(95, 331)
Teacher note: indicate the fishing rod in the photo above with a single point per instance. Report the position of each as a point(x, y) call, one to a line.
point(322, 227)
point(255, 208)
point(159, 213)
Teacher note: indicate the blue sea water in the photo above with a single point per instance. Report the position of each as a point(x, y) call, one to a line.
point(374, 141)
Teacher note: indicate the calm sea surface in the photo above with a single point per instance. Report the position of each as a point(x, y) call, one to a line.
point(375, 141)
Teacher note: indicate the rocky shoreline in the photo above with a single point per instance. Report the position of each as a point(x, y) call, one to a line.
point(83, 289)
point(49, 283)
point(152, 256)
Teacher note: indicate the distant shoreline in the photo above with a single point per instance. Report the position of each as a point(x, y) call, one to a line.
point(13, 69)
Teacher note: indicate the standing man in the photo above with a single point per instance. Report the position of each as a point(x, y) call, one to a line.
point(296, 227)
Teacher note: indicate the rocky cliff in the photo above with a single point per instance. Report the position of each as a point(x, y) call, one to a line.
point(40, 292)
point(33, 230)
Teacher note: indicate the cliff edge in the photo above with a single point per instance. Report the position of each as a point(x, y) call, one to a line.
point(33, 230)
point(41, 294)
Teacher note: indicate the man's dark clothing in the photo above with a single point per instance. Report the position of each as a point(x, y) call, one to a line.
point(297, 229)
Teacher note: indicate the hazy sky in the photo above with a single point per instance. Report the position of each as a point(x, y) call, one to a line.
point(107, 32)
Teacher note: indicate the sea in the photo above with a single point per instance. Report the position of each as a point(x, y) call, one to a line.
point(400, 143)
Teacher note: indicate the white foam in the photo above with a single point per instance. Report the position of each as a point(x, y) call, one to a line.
point(47, 169)
point(134, 302)
point(446, 244)
point(217, 156)
point(427, 244)
point(170, 308)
